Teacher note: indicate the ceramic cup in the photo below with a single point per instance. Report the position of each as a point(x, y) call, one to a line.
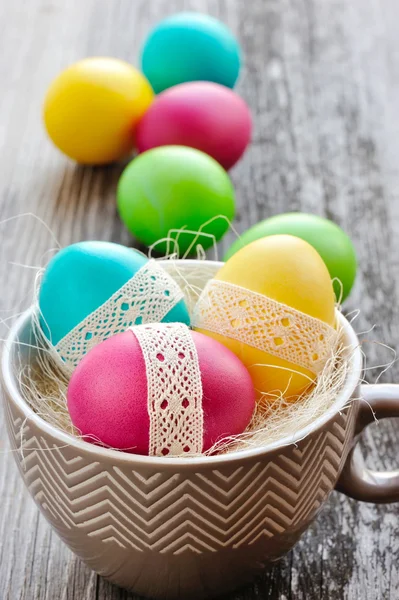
point(193, 528)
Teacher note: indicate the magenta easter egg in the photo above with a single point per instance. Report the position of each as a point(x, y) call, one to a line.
point(160, 389)
point(106, 391)
point(203, 115)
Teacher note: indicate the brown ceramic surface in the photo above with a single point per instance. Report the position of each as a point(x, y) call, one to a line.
point(188, 528)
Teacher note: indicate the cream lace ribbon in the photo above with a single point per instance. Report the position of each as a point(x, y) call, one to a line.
point(147, 297)
point(265, 324)
point(174, 388)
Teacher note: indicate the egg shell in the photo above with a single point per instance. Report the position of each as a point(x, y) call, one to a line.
point(82, 277)
point(92, 108)
point(330, 241)
point(190, 46)
point(202, 115)
point(173, 188)
point(290, 271)
point(107, 393)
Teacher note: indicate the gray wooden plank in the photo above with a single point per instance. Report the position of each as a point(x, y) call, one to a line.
point(322, 80)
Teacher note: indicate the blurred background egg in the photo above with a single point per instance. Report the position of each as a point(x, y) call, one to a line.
point(203, 115)
point(175, 188)
point(330, 241)
point(190, 46)
point(92, 108)
point(82, 277)
point(290, 271)
point(107, 394)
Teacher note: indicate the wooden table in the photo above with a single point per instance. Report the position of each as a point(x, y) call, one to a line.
point(322, 80)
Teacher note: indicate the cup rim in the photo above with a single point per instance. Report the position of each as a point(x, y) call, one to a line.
point(98, 452)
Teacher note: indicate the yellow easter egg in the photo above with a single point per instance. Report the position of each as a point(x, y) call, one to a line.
point(92, 108)
point(272, 304)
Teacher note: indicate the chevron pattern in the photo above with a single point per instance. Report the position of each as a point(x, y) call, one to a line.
point(111, 514)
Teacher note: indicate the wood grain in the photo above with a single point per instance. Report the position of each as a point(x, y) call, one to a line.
point(322, 80)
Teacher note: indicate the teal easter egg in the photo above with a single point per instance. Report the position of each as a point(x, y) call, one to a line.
point(82, 277)
point(330, 241)
point(190, 46)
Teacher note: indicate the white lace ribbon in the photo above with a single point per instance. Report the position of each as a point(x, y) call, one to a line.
point(174, 388)
point(254, 319)
point(147, 297)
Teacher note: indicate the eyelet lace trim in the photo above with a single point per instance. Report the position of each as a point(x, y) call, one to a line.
point(265, 324)
point(174, 389)
point(147, 297)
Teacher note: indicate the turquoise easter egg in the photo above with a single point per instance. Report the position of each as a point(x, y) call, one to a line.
point(190, 46)
point(82, 277)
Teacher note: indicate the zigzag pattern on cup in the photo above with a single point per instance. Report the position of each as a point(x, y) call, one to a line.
point(174, 513)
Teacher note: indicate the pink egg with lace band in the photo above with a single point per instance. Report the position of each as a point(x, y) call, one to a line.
point(161, 390)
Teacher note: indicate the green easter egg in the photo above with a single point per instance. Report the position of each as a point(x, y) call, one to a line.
point(330, 241)
point(175, 188)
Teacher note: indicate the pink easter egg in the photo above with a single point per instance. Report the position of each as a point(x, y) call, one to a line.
point(107, 393)
point(200, 114)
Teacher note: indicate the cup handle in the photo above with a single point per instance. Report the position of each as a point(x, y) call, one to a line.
point(357, 481)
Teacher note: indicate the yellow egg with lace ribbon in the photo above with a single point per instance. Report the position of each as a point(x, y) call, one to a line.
point(272, 304)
